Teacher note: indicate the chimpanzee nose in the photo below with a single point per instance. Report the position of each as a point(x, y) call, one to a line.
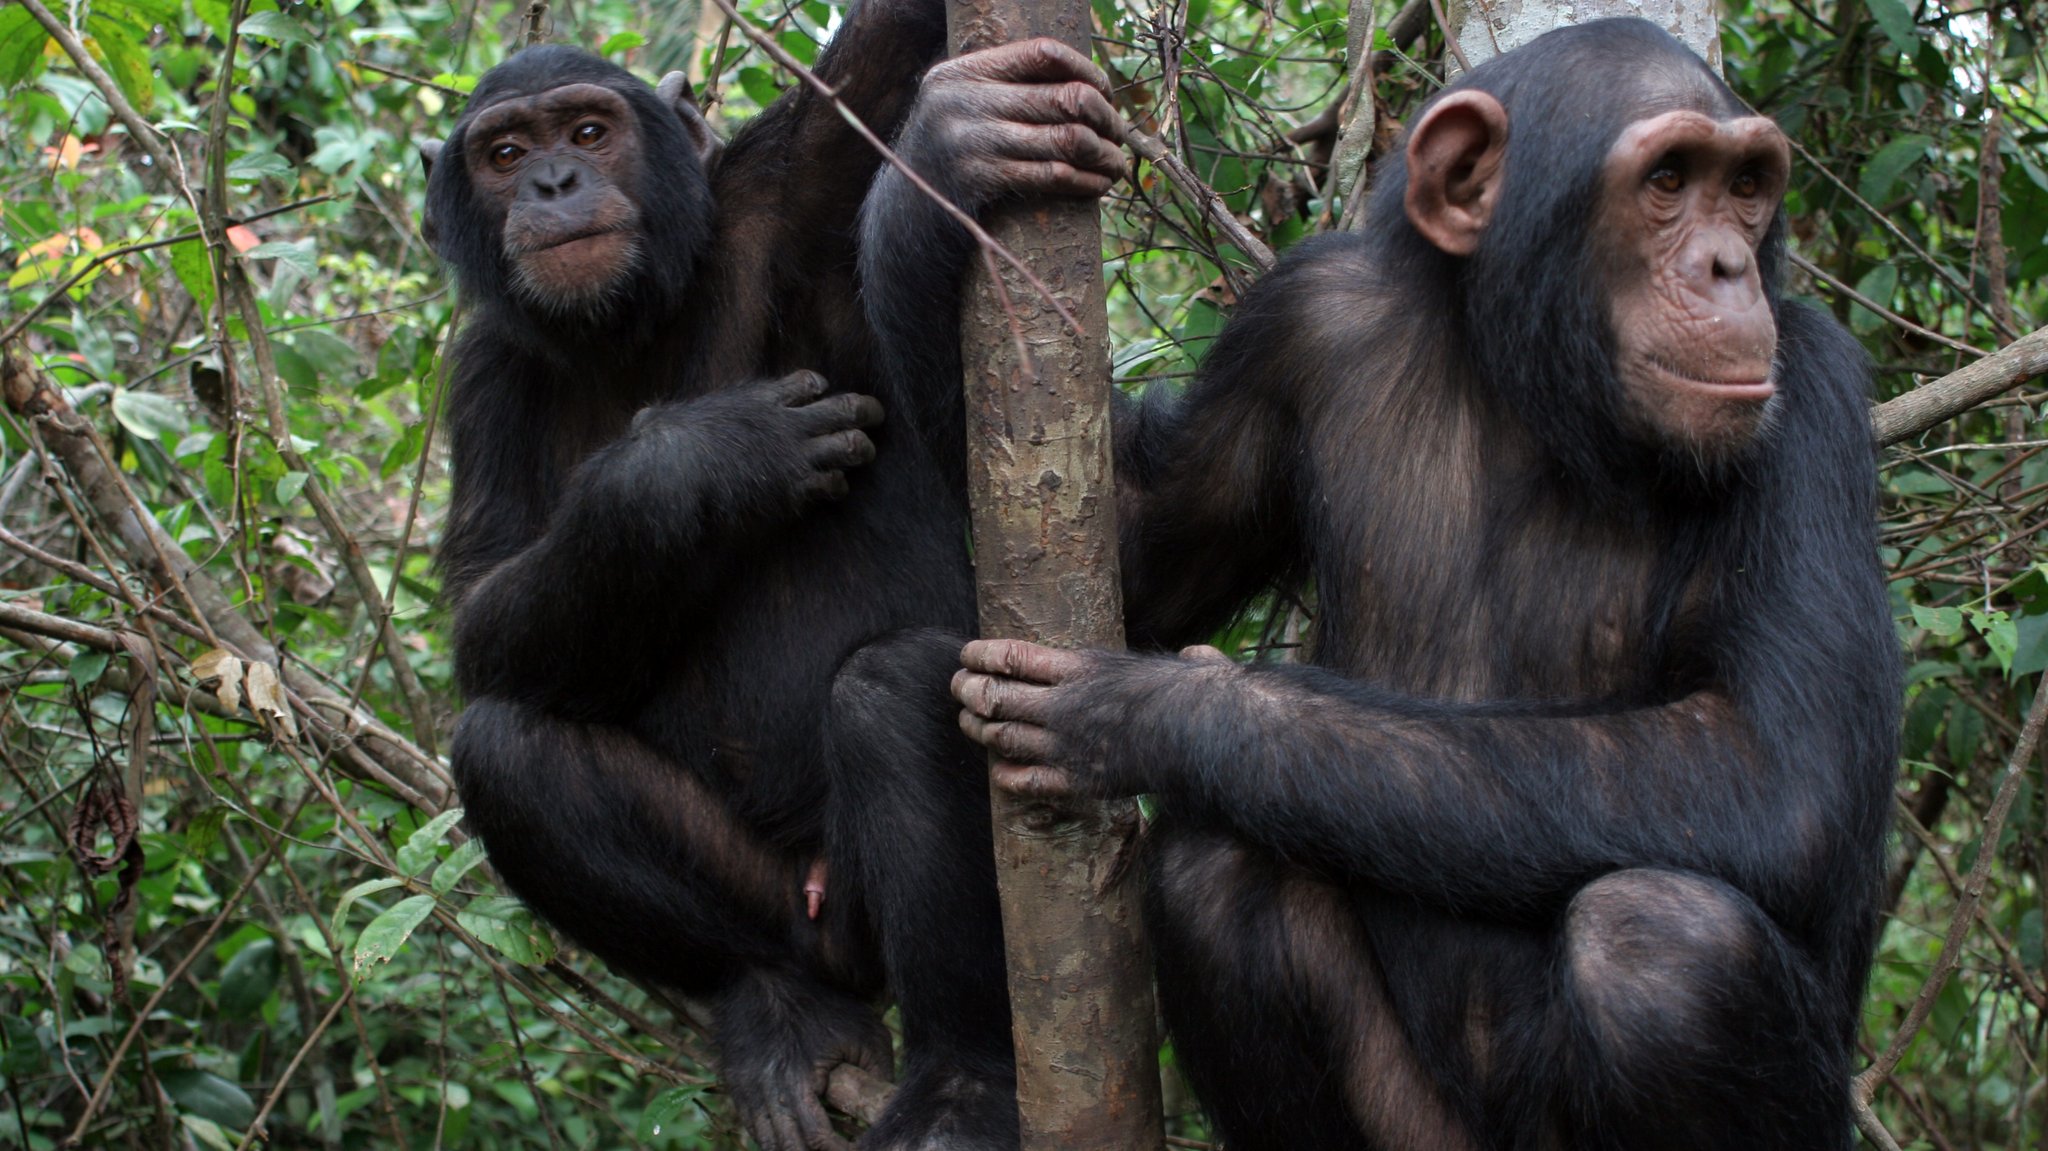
point(554, 179)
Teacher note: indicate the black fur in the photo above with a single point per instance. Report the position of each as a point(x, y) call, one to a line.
point(689, 674)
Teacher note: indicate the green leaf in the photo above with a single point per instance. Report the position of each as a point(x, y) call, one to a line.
point(508, 927)
point(1890, 163)
point(466, 856)
point(249, 978)
point(666, 1108)
point(149, 416)
point(21, 46)
point(423, 845)
point(1896, 18)
point(1877, 285)
point(256, 165)
point(385, 934)
point(126, 62)
point(195, 271)
point(620, 42)
point(87, 666)
point(759, 86)
point(1943, 621)
point(404, 451)
point(274, 25)
point(295, 253)
point(367, 887)
point(1999, 634)
point(289, 485)
point(208, 1096)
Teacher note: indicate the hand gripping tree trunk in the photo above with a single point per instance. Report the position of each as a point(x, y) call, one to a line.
point(1045, 549)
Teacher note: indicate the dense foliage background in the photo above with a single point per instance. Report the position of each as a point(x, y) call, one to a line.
point(226, 913)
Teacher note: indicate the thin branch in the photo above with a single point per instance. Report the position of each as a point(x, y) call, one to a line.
point(1906, 416)
point(1213, 208)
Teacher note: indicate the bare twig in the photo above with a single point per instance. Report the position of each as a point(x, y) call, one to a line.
point(1213, 208)
point(1814, 270)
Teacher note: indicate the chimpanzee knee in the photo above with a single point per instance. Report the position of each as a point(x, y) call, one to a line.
point(1699, 1024)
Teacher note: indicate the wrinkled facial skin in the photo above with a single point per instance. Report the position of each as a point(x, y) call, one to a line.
point(1686, 204)
point(558, 169)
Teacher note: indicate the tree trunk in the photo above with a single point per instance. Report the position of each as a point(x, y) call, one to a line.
point(1486, 28)
point(1046, 570)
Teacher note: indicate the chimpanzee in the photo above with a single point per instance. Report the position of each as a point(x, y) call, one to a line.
point(705, 607)
point(1574, 837)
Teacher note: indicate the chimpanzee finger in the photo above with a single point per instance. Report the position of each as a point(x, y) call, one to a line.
point(787, 1134)
point(1016, 742)
point(1040, 61)
point(817, 1128)
point(825, 485)
point(1066, 142)
point(1021, 659)
point(848, 449)
point(800, 387)
point(761, 1125)
point(1035, 782)
point(845, 410)
point(1000, 697)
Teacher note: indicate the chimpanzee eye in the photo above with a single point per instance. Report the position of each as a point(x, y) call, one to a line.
point(1666, 178)
point(587, 135)
point(1747, 184)
point(505, 155)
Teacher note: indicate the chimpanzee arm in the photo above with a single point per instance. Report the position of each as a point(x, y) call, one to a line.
point(642, 529)
point(1021, 120)
point(1773, 773)
point(1206, 482)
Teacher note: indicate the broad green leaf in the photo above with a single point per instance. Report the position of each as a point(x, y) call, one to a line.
point(195, 271)
point(1896, 18)
point(296, 253)
point(466, 856)
point(289, 485)
point(149, 416)
point(665, 1109)
point(367, 887)
point(1882, 173)
point(256, 165)
point(759, 86)
point(208, 1096)
point(21, 46)
point(422, 845)
point(385, 934)
point(126, 62)
point(1942, 621)
point(1877, 285)
point(87, 666)
point(275, 26)
point(621, 42)
point(508, 927)
point(249, 978)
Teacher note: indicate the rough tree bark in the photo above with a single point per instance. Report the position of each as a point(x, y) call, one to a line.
point(1486, 28)
point(1045, 546)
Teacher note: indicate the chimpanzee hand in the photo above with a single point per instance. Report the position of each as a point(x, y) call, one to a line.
point(779, 1039)
point(1030, 705)
point(1026, 119)
point(778, 444)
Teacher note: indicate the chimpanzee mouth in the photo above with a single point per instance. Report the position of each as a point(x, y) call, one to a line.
point(1738, 389)
point(572, 238)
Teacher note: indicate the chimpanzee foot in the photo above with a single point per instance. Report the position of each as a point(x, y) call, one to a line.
point(948, 1109)
point(779, 1038)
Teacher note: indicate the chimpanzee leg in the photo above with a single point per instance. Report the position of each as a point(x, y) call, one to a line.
point(1694, 1023)
point(909, 835)
point(1277, 1009)
point(611, 841)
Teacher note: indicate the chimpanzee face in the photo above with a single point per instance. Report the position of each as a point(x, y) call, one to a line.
point(560, 170)
point(1686, 204)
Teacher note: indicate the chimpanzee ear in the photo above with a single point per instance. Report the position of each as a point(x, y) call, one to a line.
point(430, 153)
point(1456, 155)
point(674, 91)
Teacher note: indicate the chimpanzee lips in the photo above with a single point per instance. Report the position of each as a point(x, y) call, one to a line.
point(1733, 387)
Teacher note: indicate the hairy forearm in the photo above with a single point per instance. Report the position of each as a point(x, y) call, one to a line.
point(1483, 808)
